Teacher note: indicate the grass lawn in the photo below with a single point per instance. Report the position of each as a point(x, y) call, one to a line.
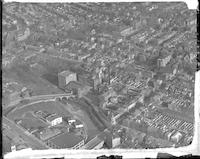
point(33, 123)
point(30, 121)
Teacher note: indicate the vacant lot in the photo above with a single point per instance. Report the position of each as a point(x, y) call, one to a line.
point(30, 121)
point(23, 75)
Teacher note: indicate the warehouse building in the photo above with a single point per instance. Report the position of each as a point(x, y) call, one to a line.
point(65, 77)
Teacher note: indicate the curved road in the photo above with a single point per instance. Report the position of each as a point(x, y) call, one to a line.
point(42, 97)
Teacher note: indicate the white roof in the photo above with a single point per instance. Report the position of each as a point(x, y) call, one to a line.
point(52, 117)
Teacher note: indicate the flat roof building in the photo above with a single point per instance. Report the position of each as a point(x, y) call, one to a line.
point(54, 119)
point(65, 77)
point(66, 140)
point(48, 133)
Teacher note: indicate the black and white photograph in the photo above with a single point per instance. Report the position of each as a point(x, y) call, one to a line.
point(98, 75)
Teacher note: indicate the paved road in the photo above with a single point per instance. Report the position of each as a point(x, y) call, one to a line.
point(32, 140)
point(34, 102)
point(42, 97)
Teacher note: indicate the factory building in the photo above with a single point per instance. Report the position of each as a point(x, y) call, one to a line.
point(65, 77)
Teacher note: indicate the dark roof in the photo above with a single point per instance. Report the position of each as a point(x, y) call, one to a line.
point(67, 140)
point(52, 117)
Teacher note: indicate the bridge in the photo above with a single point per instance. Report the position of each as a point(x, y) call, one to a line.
point(48, 96)
point(41, 97)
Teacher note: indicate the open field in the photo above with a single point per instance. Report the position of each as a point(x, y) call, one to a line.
point(24, 75)
point(177, 115)
point(59, 108)
point(30, 121)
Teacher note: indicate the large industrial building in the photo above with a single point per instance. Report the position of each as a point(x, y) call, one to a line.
point(65, 77)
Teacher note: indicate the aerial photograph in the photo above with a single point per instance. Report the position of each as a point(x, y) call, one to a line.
point(98, 75)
